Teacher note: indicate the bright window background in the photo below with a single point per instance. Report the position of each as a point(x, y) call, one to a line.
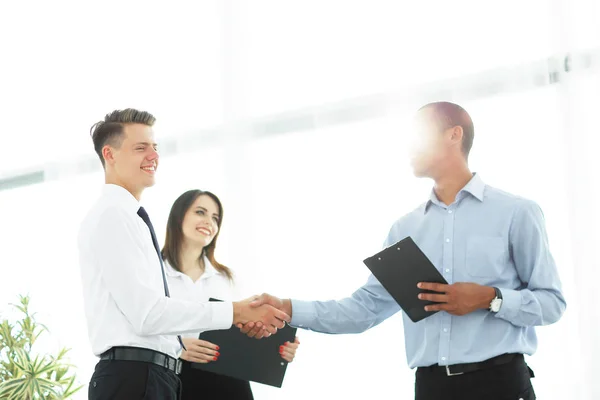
point(67, 63)
point(319, 51)
point(302, 209)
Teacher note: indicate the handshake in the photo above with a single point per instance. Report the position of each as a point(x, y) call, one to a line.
point(261, 316)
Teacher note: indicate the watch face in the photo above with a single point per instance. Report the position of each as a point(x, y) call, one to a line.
point(495, 306)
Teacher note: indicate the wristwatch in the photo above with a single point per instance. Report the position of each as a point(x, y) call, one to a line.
point(497, 302)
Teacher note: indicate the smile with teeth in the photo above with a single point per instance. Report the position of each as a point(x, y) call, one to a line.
point(204, 231)
point(151, 168)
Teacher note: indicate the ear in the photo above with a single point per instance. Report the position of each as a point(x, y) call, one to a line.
point(456, 135)
point(107, 153)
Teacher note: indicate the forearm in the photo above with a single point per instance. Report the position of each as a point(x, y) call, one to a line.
point(172, 316)
point(367, 307)
point(332, 317)
point(531, 307)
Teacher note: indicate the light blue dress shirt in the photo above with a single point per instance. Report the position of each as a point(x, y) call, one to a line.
point(486, 236)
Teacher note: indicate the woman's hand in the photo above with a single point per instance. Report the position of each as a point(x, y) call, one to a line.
point(288, 350)
point(199, 351)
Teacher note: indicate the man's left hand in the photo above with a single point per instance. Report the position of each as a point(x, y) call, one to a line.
point(457, 299)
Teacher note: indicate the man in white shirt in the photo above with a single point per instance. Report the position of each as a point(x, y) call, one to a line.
point(132, 323)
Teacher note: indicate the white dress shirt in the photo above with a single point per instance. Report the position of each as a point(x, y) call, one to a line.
point(211, 283)
point(123, 292)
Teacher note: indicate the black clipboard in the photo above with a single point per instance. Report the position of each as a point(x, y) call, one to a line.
point(248, 359)
point(399, 268)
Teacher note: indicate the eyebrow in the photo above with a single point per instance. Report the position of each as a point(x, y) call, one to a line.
point(146, 144)
point(204, 209)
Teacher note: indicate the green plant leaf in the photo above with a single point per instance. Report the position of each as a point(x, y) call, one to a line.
point(25, 374)
point(14, 389)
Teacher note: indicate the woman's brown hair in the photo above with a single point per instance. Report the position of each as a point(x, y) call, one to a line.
point(174, 237)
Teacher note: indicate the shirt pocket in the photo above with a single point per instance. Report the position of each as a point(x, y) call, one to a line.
point(486, 256)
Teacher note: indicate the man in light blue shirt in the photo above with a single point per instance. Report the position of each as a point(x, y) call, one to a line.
point(492, 249)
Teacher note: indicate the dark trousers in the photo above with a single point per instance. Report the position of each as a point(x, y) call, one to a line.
point(199, 385)
point(510, 381)
point(133, 380)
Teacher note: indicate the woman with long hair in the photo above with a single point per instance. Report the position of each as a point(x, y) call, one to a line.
point(194, 274)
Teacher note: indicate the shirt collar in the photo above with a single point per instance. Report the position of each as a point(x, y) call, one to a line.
point(120, 195)
point(169, 270)
point(474, 187)
point(209, 270)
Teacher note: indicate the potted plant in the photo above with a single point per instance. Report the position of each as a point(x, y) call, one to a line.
point(25, 375)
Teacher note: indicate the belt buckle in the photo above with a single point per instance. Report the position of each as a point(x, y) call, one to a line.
point(448, 373)
point(178, 365)
point(171, 364)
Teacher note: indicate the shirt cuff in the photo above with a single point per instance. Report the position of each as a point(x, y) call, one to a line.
point(222, 315)
point(511, 304)
point(303, 313)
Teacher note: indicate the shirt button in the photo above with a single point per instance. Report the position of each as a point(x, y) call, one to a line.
point(447, 240)
point(443, 358)
point(445, 329)
point(449, 211)
point(447, 270)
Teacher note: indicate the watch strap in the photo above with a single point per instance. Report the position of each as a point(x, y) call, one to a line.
point(498, 293)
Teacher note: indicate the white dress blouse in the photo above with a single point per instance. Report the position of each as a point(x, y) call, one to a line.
point(211, 284)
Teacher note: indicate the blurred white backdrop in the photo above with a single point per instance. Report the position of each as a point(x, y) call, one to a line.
point(296, 116)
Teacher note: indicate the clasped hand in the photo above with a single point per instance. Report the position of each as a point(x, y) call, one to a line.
point(457, 299)
point(256, 329)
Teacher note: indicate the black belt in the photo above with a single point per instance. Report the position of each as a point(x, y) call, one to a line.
point(143, 355)
point(460, 369)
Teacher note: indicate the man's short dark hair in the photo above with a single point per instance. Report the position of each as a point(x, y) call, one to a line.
point(110, 130)
point(449, 115)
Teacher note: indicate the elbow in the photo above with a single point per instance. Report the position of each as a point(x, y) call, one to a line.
point(368, 325)
point(561, 308)
point(144, 329)
point(147, 321)
point(363, 325)
point(140, 329)
point(557, 310)
point(355, 328)
point(143, 326)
